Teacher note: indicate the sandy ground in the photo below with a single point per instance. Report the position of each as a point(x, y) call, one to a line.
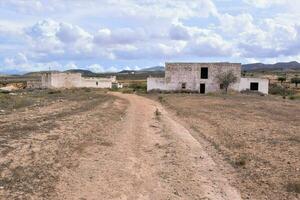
point(151, 157)
point(255, 139)
point(91, 145)
point(39, 142)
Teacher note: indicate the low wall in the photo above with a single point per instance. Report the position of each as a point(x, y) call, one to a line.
point(160, 84)
point(75, 80)
point(96, 82)
point(156, 84)
point(263, 84)
point(61, 80)
point(34, 84)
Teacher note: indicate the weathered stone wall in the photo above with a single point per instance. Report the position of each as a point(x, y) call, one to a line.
point(74, 80)
point(34, 84)
point(156, 84)
point(262, 83)
point(61, 80)
point(98, 82)
point(46, 80)
point(190, 73)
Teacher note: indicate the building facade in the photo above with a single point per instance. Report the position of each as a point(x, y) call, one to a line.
point(75, 80)
point(202, 78)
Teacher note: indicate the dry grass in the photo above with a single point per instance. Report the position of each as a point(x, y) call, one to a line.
point(257, 136)
point(38, 142)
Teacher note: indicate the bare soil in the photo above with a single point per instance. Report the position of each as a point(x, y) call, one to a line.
point(256, 139)
point(94, 145)
point(38, 141)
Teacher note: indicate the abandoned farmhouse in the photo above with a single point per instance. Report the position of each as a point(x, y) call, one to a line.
point(72, 80)
point(202, 78)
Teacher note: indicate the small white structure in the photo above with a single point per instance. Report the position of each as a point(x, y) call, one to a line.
point(202, 78)
point(254, 84)
point(75, 80)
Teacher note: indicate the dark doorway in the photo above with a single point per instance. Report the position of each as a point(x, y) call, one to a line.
point(183, 86)
point(254, 86)
point(202, 88)
point(221, 86)
point(204, 73)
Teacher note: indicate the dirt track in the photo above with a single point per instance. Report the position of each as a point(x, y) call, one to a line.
point(82, 144)
point(152, 157)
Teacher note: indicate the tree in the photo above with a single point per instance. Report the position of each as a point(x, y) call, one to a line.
point(226, 79)
point(295, 80)
point(281, 79)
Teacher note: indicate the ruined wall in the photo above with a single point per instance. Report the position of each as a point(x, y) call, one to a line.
point(190, 73)
point(31, 84)
point(98, 82)
point(65, 80)
point(46, 80)
point(263, 84)
point(74, 80)
point(156, 84)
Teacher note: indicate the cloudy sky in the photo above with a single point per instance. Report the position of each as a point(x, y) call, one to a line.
point(108, 35)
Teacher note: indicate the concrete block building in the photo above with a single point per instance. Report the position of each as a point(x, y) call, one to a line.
point(202, 78)
point(75, 80)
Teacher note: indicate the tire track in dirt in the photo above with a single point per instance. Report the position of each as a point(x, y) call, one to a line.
point(152, 157)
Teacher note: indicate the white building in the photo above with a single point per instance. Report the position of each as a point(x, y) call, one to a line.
point(202, 78)
point(75, 80)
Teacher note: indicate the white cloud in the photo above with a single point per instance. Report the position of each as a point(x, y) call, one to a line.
point(112, 69)
point(230, 24)
point(68, 33)
point(179, 32)
point(95, 68)
point(106, 36)
point(265, 3)
point(71, 65)
point(212, 45)
point(19, 59)
point(142, 31)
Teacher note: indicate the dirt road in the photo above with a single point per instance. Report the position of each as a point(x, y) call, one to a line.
point(151, 156)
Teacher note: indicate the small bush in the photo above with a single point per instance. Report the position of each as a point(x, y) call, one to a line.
point(161, 99)
point(4, 92)
point(22, 102)
point(293, 187)
point(87, 89)
point(279, 90)
point(249, 92)
point(54, 92)
point(157, 114)
point(292, 97)
point(127, 91)
point(142, 87)
point(241, 161)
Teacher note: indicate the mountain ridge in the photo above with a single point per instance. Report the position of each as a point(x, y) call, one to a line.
point(282, 66)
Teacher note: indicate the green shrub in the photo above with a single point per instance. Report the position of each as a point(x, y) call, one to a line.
point(279, 90)
point(138, 86)
point(293, 187)
point(4, 92)
point(296, 81)
point(161, 99)
point(281, 79)
point(127, 91)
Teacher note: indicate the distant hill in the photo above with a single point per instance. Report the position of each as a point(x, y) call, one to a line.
point(159, 70)
point(281, 66)
point(37, 73)
point(127, 72)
